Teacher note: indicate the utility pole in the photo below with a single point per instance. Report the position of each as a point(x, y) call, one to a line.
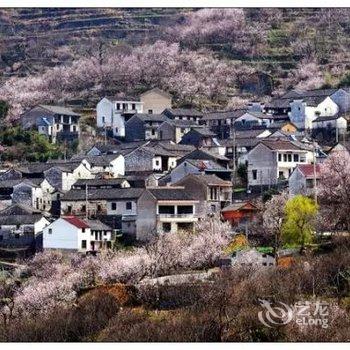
point(314, 166)
point(86, 201)
point(233, 134)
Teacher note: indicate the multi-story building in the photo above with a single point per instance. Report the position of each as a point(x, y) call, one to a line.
point(164, 209)
point(273, 160)
point(56, 122)
point(112, 114)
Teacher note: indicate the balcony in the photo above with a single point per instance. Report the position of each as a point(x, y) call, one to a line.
point(177, 215)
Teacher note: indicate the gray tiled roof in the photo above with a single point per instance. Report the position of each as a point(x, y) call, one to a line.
point(103, 193)
point(189, 112)
point(60, 110)
point(166, 193)
point(20, 219)
point(97, 225)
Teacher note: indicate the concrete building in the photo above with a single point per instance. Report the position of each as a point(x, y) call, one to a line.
point(155, 101)
point(56, 122)
point(111, 114)
point(74, 234)
point(164, 210)
point(273, 160)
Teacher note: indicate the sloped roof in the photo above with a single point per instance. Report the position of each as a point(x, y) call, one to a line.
point(202, 164)
point(281, 144)
point(239, 206)
point(145, 117)
point(25, 219)
point(202, 131)
point(308, 170)
point(189, 112)
point(326, 118)
point(208, 180)
point(168, 193)
point(97, 225)
point(59, 110)
point(103, 193)
point(75, 221)
point(158, 91)
point(222, 115)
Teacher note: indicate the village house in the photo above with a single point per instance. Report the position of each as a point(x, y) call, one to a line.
point(148, 158)
point(183, 114)
point(303, 107)
point(273, 160)
point(197, 166)
point(212, 192)
point(336, 122)
point(302, 180)
point(174, 129)
point(82, 184)
point(33, 192)
point(239, 214)
point(112, 165)
point(165, 210)
point(75, 234)
point(112, 114)
point(115, 206)
point(144, 127)
point(342, 146)
point(56, 122)
point(155, 101)
point(20, 229)
point(200, 137)
point(60, 174)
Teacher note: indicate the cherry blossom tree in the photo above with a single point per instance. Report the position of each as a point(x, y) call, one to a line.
point(333, 191)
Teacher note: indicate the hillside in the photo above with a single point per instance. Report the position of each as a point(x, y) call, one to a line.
point(205, 58)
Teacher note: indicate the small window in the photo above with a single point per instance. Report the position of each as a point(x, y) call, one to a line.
point(83, 244)
point(118, 106)
point(289, 157)
point(133, 106)
point(114, 206)
point(83, 230)
point(157, 162)
point(296, 157)
point(50, 231)
point(284, 157)
point(255, 174)
point(150, 111)
point(103, 120)
point(279, 157)
point(128, 205)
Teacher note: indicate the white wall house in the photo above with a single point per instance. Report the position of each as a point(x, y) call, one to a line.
point(302, 113)
point(72, 233)
point(112, 115)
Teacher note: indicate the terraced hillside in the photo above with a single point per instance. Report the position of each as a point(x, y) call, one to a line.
point(207, 58)
point(33, 39)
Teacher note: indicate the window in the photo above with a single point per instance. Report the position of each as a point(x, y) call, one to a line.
point(1, 237)
point(133, 106)
point(83, 208)
point(50, 231)
point(157, 162)
point(128, 205)
point(166, 226)
point(118, 106)
point(284, 157)
point(255, 174)
point(116, 130)
point(289, 157)
point(153, 132)
point(83, 230)
point(296, 157)
point(103, 120)
point(114, 206)
point(279, 157)
point(83, 244)
point(125, 106)
point(150, 111)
